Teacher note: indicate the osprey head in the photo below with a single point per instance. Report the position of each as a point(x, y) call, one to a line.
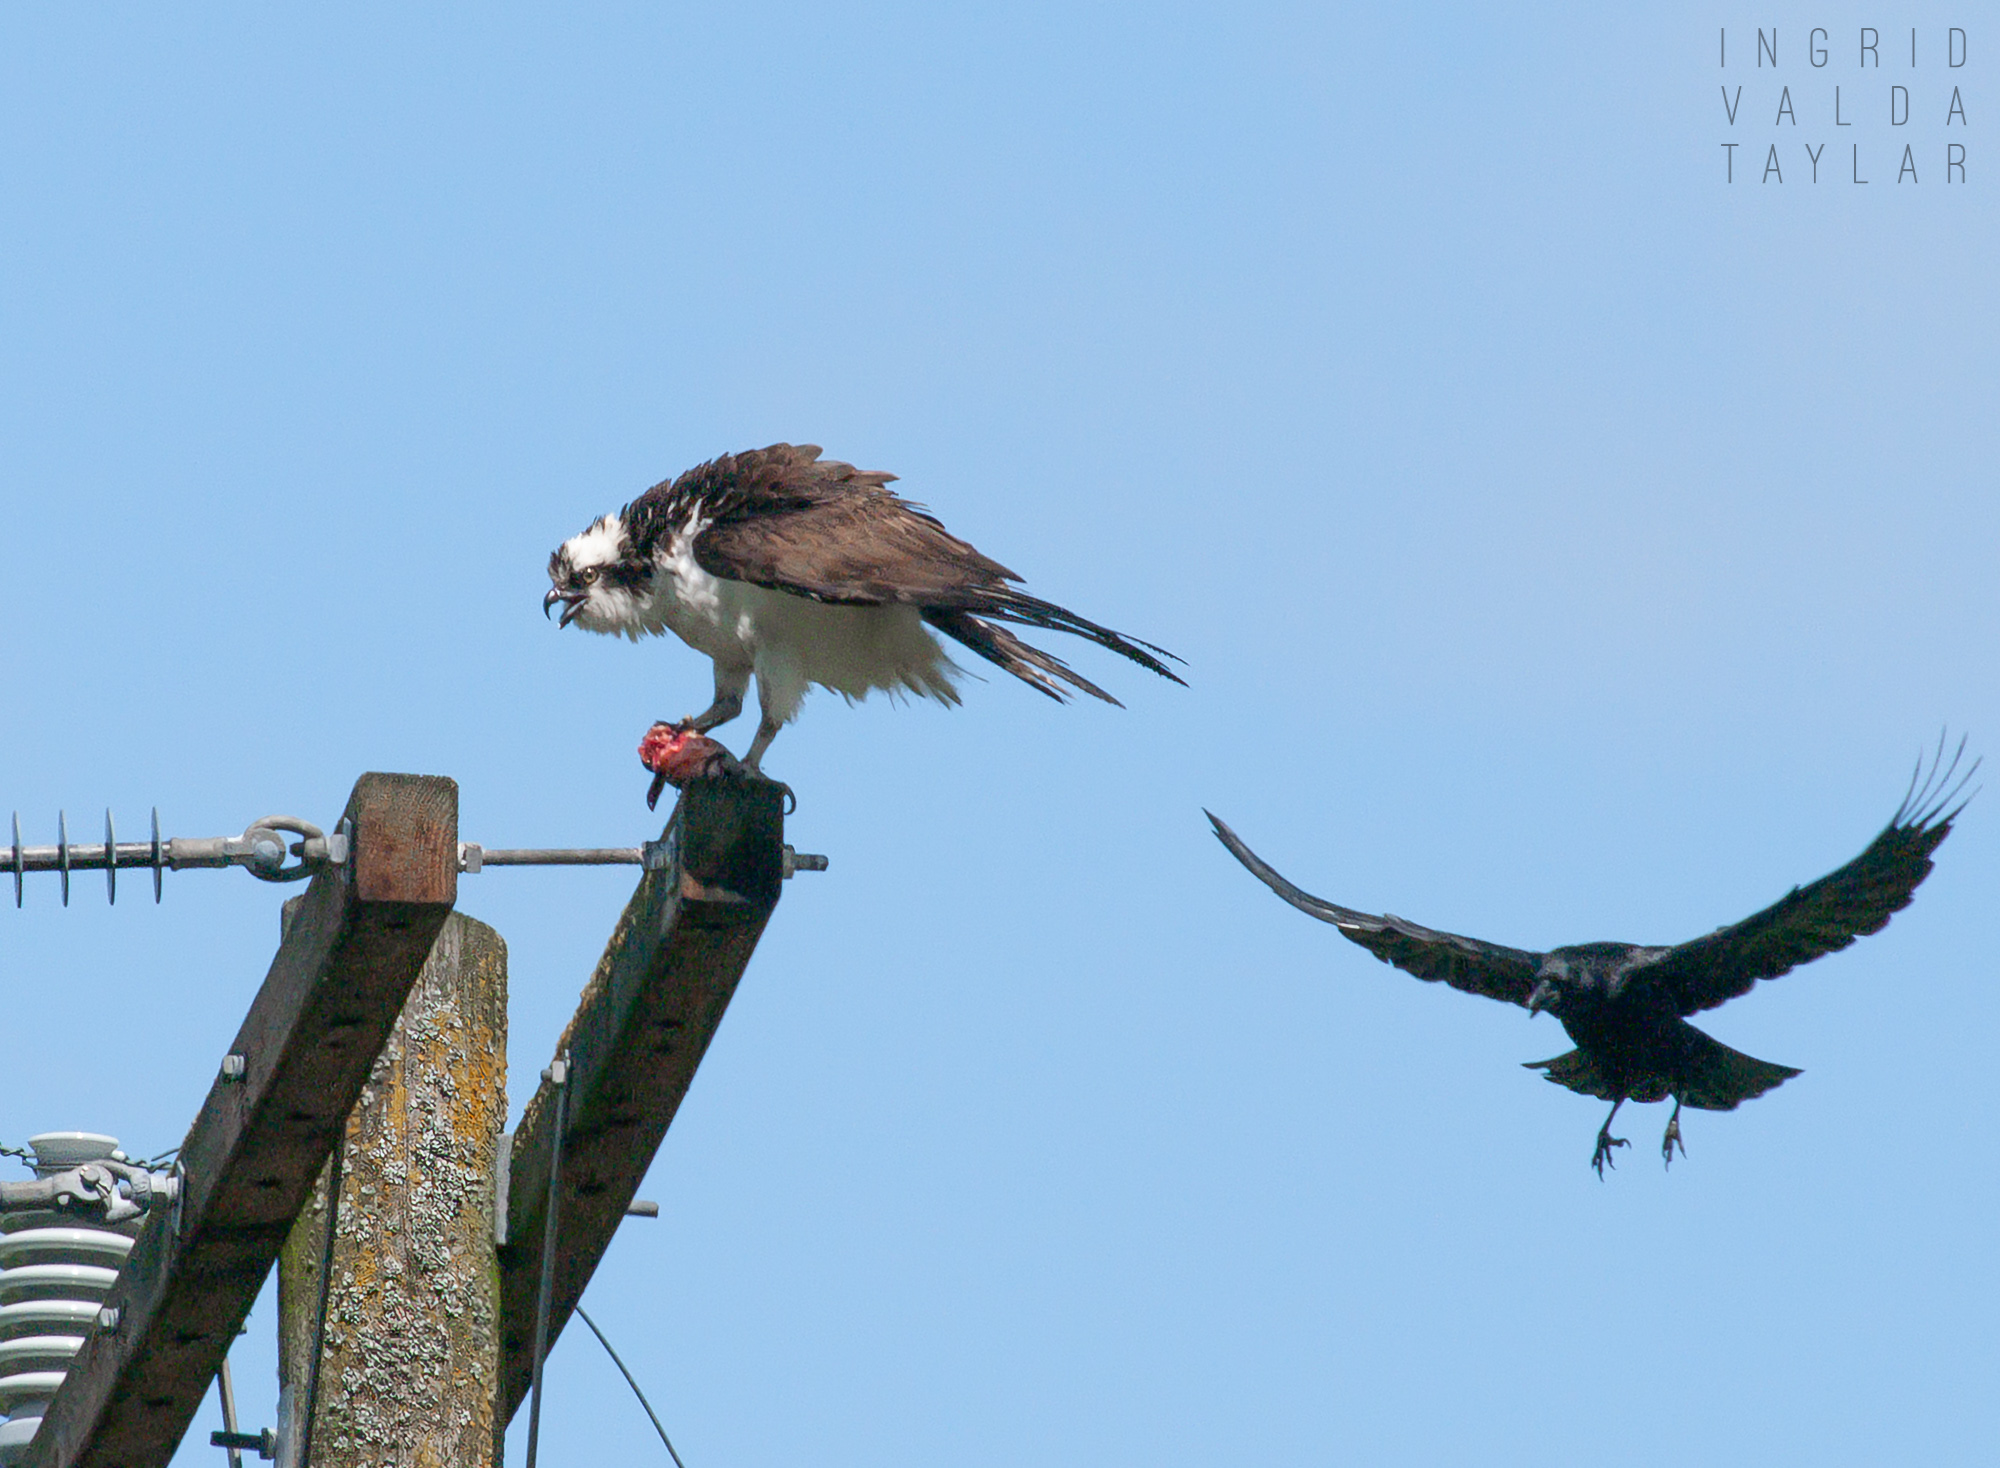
point(600, 580)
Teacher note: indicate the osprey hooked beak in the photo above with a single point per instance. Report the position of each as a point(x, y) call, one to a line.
point(572, 603)
point(1541, 997)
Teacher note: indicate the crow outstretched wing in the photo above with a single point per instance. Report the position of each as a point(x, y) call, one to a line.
point(1821, 917)
point(1487, 969)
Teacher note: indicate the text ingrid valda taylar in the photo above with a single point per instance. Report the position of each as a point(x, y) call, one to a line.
point(1890, 99)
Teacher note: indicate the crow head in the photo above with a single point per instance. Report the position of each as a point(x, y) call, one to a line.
point(601, 582)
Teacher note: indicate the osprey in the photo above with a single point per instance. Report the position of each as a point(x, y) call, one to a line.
point(1625, 1004)
point(801, 570)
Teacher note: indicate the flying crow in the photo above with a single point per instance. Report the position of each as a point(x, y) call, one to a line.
point(1625, 1004)
point(803, 570)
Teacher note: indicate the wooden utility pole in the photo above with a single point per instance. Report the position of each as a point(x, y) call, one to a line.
point(359, 939)
point(382, 1027)
point(409, 1354)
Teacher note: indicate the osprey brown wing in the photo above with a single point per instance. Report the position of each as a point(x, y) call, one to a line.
point(1476, 967)
point(785, 519)
point(841, 537)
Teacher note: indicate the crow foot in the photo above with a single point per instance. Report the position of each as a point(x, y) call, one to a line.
point(1605, 1141)
point(1673, 1137)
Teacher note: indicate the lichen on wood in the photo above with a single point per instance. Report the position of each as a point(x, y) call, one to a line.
point(410, 1372)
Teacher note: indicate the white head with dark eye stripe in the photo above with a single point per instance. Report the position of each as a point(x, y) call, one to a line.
point(601, 582)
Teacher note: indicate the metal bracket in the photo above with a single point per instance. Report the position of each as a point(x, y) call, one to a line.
point(105, 1191)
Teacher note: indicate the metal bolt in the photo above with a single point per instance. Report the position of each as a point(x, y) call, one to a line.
point(108, 1317)
point(233, 1066)
point(266, 851)
point(264, 1444)
point(643, 1208)
point(791, 861)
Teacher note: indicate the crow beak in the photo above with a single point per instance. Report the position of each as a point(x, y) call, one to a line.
point(572, 603)
point(1540, 998)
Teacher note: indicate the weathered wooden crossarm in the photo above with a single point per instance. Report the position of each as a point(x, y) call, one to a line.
point(641, 1028)
point(341, 975)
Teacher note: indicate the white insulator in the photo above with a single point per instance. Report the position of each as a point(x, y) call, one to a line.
point(54, 1274)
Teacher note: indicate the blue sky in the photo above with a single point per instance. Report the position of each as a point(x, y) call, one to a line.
point(1564, 544)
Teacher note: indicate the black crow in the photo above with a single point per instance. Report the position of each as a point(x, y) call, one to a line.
point(1624, 1004)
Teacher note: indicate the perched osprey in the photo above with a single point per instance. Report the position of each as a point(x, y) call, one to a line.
point(801, 570)
point(1624, 1004)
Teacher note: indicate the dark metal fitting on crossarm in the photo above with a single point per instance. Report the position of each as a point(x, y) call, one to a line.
point(264, 1444)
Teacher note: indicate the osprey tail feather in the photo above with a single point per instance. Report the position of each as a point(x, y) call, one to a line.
point(1042, 671)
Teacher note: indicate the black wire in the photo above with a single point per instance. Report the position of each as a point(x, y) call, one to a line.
point(325, 1289)
point(634, 1385)
point(151, 1164)
point(557, 1076)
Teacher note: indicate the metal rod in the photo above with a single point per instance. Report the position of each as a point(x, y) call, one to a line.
point(89, 858)
point(111, 863)
point(227, 1390)
point(557, 1075)
point(577, 856)
point(92, 858)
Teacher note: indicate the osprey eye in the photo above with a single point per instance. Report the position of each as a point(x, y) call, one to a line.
point(587, 575)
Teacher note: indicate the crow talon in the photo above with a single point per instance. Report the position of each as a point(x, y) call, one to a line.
point(1673, 1137)
point(1603, 1157)
point(1605, 1141)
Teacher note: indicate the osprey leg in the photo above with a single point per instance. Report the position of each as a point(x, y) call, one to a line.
point(1605, 1141)
point(1673, 1137)
point(730, 686)
point(767, 730)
